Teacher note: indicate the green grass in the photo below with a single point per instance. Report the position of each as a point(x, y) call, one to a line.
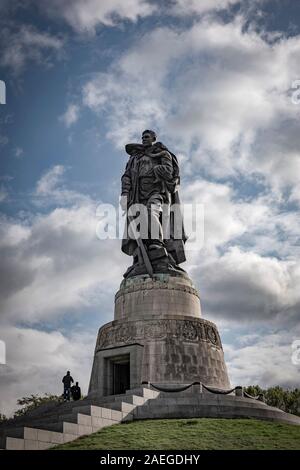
point(191, 434)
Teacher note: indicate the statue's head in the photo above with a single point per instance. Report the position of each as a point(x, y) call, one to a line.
point(148, 137)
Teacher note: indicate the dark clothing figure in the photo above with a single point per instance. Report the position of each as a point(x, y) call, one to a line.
point(149, 171)
point(76, 392)
point(67, 381)
point(151, 178)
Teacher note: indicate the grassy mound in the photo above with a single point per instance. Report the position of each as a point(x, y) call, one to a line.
point(191, 434)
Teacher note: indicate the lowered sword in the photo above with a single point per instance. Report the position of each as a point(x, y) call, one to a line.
point(141, 246)
point(145, 256)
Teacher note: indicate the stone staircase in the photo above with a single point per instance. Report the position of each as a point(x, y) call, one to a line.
point(53, 424)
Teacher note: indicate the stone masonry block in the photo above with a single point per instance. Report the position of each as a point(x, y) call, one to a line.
point(107, 422)
point(83, 430)
point(31, 444)
point(30, 434)
point(136, 400)
point(13, 443)
point(106, 413)
point(127, 407)
point(97, 422)
point(70, 428)
point(44, 436)
point(116, 415)
point(69, 437)
point(45, 445)
point(57, 437)
point(96, 411)
point(84, 419)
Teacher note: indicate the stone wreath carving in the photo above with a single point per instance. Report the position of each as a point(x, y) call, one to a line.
point(186, 330)
point(189, 331)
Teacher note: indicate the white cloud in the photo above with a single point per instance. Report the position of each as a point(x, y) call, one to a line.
point(248, 268)
point(51, 190)
point(19, 152)
point(71, 115)
point(24, 44)
point(225, 217)
point(53, 262)
point(37, 361)
point(246, 287)
point(56, 264)
point(191, 7)
point(86, 15)
point(12, 233)
point(266, 362)
point(220, 94)
point(49, 180)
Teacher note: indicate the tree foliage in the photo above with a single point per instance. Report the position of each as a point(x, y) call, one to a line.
point(33, 401)
point(2, 418)
point(287, 400)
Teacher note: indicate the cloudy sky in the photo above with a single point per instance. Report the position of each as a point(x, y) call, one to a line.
point(215, 79)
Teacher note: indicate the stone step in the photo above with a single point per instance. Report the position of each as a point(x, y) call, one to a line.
point(45, 421)
point(128, 397)
point(133, 399)
point(49, 433)
point(123, 406)
point(66, 412)
point(217, 410)
point(14, 432)
point(13, 443)
point(70, 417)
point(67, 421)
point(204, 399)
point(63, 408)
point(45, 440)
point(121, 409)
point(144, 392)
point(109, 401)
point(118, 406)
point(36, 439)
point(84, 418)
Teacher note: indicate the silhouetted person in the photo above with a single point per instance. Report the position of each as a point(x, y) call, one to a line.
point(76, 392)
point(67, 381)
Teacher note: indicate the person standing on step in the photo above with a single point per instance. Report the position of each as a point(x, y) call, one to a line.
point(76, 392)
point(67, 381)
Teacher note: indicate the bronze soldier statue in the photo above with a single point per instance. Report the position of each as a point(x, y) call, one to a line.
point(150, 188)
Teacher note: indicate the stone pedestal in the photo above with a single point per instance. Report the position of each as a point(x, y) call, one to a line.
point(157, 336)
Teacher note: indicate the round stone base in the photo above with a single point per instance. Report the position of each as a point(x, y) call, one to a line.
point(205, 405)
point(171, 350)
point(157, 336)
point(156, 297)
